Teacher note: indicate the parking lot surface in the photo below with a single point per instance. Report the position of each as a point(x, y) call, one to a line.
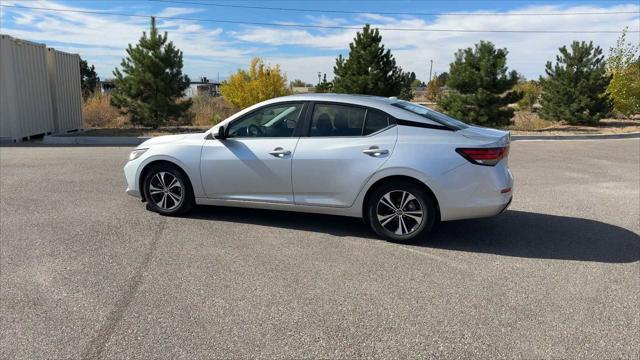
point(87, 272)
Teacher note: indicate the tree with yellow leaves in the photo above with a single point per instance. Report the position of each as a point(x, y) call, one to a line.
point(623, 65)
point(261, 82)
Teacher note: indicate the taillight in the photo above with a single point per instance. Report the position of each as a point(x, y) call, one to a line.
point(484, 156)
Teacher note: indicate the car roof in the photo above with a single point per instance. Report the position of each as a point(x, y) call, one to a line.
point(366, 100)
point(378, 102)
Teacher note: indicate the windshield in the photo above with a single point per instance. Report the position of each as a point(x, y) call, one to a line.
point(431, 114)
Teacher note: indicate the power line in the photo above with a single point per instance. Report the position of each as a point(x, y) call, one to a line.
point(389, 13)
point(320, 26)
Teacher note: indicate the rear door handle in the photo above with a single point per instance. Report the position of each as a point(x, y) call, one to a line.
point(375, 151)
point(280, 152)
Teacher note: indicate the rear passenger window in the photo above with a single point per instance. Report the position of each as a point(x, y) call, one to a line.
point(376, 121)
point(337, 120)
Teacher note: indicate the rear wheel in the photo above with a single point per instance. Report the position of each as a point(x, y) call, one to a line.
point(167, 190)
point(400, 211)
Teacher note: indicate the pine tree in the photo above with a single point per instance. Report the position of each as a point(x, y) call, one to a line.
point(151, 81)
point(370, 69)
point(406, 90)
point(441, 80)
point(480, 86)
point(88, 78)
point(574, 89)
point(324, 86)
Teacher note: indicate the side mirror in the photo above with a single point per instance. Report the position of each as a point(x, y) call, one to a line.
point(221, 133)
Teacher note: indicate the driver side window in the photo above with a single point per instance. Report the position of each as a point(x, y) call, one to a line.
point(272, 121)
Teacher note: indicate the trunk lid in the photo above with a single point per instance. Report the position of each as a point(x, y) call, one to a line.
point(488, 135)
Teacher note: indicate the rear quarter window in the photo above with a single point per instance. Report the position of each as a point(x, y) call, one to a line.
point(375, 121)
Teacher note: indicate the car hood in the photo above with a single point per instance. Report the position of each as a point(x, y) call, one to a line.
point(165, 139)
point(486, 134)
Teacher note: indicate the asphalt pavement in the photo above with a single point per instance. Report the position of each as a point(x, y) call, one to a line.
point(87, 272)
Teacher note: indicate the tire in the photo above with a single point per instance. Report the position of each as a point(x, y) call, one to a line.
point(397, 223)
point(167, 190)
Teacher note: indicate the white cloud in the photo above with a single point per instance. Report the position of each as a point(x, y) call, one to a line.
point(177, 11)
point(527, 52)
point(305, 52)
point(103, 39)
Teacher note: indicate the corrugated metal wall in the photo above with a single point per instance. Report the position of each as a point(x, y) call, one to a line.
point(66, 92)
point(39, 90)
point(25, 104)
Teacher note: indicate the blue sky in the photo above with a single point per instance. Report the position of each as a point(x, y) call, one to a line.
point(213, 48)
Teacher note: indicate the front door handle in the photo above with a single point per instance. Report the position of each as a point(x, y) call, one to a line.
point(375, 151)
point(280, 152)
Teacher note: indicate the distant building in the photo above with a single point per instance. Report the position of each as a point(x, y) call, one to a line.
point(203, 87)
point(302, 89)
point(106, 86)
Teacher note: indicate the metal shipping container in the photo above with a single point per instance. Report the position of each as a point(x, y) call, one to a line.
point(25, 94)
point(66, 91)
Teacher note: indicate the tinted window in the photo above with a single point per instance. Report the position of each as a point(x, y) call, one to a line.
point(273, 121)
point(376, 121)
point(337, 120)
point(431, 114)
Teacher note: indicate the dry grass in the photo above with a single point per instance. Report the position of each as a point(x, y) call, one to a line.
point(97, 112)
point(208, 111)
point(528, 121)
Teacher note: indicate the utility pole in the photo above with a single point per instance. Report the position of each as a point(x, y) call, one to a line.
point(430, 69)
point(319, 76)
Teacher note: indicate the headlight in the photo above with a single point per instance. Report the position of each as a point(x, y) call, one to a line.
point(136, 153)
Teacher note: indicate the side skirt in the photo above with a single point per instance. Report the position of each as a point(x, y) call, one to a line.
point(350, 212)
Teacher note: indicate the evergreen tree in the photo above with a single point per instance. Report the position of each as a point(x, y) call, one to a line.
point(88, 78)
point(441, 80)
point(574, 89)
point(324, 86)
point(370, 69)
point(480, 86)
point(406, 91)
point(151, 81)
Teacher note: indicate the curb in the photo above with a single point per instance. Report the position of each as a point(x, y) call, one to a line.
point(633, 135)
point(134, 141)
point(94, 140)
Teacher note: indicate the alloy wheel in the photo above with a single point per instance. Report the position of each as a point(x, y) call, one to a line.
point(166, 191)
point(400, 212)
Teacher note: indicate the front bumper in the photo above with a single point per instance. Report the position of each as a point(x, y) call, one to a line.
point(133, 192)
point(130, 174)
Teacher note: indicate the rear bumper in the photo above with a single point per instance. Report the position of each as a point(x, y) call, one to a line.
point(473, 191)
point(506, 206)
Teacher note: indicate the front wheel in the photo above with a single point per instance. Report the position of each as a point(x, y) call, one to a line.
point(400, 211)
point(167, 190)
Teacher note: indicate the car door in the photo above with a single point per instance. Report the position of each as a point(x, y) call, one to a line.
point(344, 146)
point(254, 162)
